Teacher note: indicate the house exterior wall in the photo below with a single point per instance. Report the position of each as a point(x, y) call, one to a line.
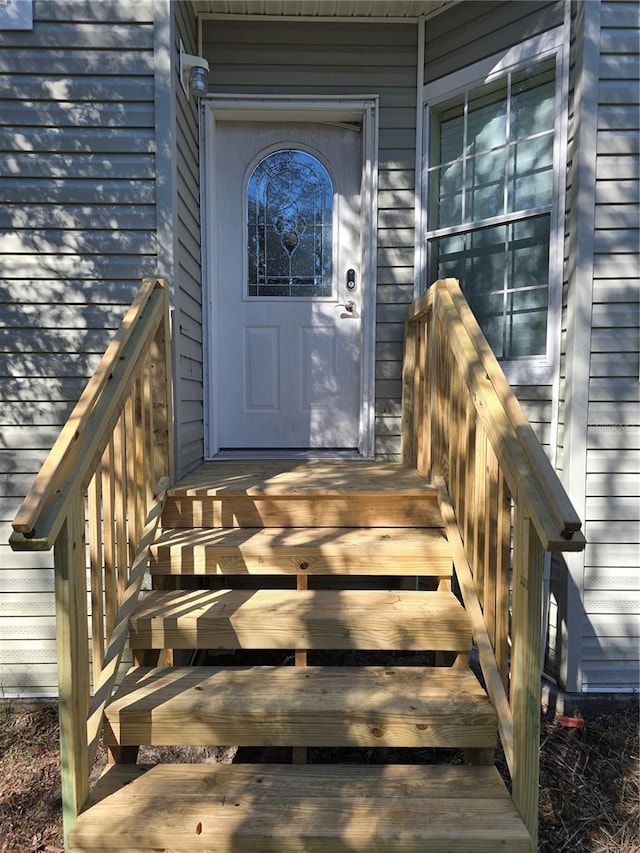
point(77, 233)
point(598, 624)
point(611, 646)
point(326, 58)
point(472, 32)
point(187, 317)
point(100, 186)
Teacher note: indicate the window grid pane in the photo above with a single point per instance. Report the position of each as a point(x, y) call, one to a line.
point(492, 155)
point(504, 273)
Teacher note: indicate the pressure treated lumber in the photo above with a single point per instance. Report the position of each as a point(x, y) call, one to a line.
point(303, 479)
point(302, 494)
point(290, 808)
point(293, 619)
point(302, 706)
point(313, 551)
point(80, 445)
point(379, 510)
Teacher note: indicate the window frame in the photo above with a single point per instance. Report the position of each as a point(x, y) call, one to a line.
point(524, 370)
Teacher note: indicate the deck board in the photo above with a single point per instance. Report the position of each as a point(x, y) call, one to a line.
point(302, 494)
point(316, 550)
point(295, 619)
point(365, 706)
point(286, 477)
point(287, 809)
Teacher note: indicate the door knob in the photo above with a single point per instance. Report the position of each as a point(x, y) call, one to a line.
point(349, 306)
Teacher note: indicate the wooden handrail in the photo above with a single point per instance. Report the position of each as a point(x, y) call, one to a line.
point(82, 439)
point(516, 445)
point(545, 479)
point(502, 503)
point(102, 486)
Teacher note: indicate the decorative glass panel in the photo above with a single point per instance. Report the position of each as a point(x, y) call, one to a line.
point(289, 226)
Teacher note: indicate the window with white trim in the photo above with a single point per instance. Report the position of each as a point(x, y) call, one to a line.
point(493, 192)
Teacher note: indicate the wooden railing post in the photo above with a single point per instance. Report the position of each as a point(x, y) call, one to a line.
point(73, 660)
point(409, 402)
point(162, 462)
point(526, 668)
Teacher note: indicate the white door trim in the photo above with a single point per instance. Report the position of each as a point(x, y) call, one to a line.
point(345, 110)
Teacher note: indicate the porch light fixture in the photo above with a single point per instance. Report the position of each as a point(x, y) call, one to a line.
point(193, 73)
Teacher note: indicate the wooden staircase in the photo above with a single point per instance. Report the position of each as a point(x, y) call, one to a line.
point(344, 571)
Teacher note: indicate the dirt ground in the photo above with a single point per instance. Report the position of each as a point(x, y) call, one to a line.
point(589, 803)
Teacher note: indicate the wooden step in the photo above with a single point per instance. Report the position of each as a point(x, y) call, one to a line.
point(314, 551)
point(292, 808)
point(291, 619)
point(302, 706)
point(307, 494)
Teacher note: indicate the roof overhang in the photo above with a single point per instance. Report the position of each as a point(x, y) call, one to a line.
point(324, 9)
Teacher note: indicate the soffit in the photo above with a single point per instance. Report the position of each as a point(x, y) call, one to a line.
point(325, 8)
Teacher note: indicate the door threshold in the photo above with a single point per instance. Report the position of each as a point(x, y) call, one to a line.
point(290, 453)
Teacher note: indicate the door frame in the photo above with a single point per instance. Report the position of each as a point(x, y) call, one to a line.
point(360, 110)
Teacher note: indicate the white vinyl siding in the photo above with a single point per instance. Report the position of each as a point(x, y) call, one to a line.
point(77, 232)
point(611, 625)
point(322, 58)
point(187, 325)
point(474, 30)
point(600, 600)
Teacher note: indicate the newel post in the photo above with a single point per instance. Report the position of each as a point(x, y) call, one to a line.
point(161, 394)
point(73, 660)
point(526, 668)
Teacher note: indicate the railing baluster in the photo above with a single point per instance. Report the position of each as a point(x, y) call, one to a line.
point(131, 459)
point(422, 408)
point(109, 528)
point(482, 515)
point(468, 472)
point(121, 501)
point(96, 562)
point(147, 436)
point(502, 573)
point(410, 429)
point(140, 421)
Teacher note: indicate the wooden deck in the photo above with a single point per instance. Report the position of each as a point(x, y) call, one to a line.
point(285, 478)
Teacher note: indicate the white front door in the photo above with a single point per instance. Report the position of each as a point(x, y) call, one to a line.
point(287, 291)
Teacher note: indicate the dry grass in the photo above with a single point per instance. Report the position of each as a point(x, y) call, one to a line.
point(590, 786)
point(589, 802)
